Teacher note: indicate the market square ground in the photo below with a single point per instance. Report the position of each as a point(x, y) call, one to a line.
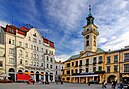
point(50, 86)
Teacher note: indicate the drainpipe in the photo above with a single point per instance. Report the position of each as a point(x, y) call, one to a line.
point(15, 56)
point(5, 50)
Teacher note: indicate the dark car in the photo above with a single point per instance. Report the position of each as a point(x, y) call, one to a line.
point(124, 86)
point(93, 82)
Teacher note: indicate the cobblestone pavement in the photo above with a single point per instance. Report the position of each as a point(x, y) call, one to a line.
point(50, 86)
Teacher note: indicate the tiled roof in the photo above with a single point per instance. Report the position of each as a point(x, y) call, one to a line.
point(122, 49)
point(73, 57)
point(99, 50)
point(78, 55)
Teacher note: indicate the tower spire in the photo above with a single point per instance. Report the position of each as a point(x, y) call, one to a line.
point(90, 11)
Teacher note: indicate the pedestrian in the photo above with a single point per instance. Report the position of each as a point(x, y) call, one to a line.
point(103, 84)
point(121, 85)
point(88, 83)
point(127, 87)
point(114, 84)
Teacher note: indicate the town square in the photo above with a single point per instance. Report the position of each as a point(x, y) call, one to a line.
point(68, 44)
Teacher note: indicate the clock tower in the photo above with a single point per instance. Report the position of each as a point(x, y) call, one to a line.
point(90, 34)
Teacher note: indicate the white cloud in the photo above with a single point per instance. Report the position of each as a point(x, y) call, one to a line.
point(102, 40)
point(66, 12)
point(3, 23)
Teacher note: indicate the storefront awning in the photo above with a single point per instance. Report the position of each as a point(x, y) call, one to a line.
point(85, 75)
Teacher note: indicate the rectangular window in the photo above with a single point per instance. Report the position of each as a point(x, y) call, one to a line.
point(31, 46)
point(115, 58)
point(26, 45)
point(29, 39)
point(100, 59)
point(71, 71)
point(31, 55)
point(1, 63)
point(37, 48)
point(94, 60)
point(80, 70)
point(51, 66)
point(42, 49)
point(51, 60)
point(11, 50)
point(108, 59)
point(87, 61)
point(94, 69)
point(126, 57)
point(39, 41)
point(126, 67)
point(115, 68)
point(11, 60)
point(68, 71)
point(34, 40)
point(100, 68)
point(9, 41)
point(76, 71)
point(26, 54)
point(46, 51)
point(76, 64)
point(72, 63)
point(13, 42)
point(80, 63)
point(20, 43)
point(34, 55)
point(68, 64)
point(87, 70)
point(108, 69)
point(34, 47)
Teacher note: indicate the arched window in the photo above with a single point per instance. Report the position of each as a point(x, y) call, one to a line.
point(26, 62)
point(20, 61)
point(11, 70)
point(87, 43)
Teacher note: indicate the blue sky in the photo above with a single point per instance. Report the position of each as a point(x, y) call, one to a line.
point(62, 21)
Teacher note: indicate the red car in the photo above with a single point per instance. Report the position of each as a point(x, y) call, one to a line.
point(31, 81)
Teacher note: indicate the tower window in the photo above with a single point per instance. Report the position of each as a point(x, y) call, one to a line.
point(94, 43)
point(87, 37)
point(87, 43)
point(87, 29)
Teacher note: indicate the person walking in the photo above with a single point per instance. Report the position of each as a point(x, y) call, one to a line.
point(127, 87)
point(104, 84)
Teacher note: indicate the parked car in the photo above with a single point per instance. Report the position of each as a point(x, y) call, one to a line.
point(93, 82)
point(124, 86)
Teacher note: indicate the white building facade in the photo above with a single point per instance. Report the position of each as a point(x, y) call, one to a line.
point(58, 70)
point(27, 51)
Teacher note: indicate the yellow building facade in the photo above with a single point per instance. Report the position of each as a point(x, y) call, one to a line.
point(94, 63)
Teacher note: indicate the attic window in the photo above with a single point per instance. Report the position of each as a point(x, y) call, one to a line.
point(11, 30)
point(34, 35)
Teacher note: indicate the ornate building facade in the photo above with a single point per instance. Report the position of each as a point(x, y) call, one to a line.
point(58, 70)
point(25, 50)
point(94, 63)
